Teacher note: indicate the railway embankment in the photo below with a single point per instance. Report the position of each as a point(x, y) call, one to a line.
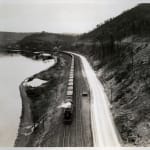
point(41, 116)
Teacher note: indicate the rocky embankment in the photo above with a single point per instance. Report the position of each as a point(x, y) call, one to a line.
point(42, 117)
point(126, 79)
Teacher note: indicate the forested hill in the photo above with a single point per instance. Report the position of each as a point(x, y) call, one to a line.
point(46, 40)
point(11, 37)
point(120, 53)
point(135, 21)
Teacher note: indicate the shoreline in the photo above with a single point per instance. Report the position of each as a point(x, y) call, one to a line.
point(45, 116)
point(26, 125)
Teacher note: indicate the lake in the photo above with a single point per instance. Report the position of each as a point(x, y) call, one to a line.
point(13, 70)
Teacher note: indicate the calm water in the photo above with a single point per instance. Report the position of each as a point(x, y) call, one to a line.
point(13, 70)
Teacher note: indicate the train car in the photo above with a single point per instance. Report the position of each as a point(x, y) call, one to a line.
point(70, 80)
point(70, 88)
point(70, 84)
point(69, 94)
point(71, 77)
point(68, 99)
point(72, 72)
point(68, 114)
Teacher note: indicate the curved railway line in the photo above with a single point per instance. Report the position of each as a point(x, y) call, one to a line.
point(75, 134)
point(91, 122)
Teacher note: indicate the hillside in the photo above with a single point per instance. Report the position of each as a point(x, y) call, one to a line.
point(7, 38)
point(134, 21)
point(104, 41)
point(119, 50)
point(46, 40)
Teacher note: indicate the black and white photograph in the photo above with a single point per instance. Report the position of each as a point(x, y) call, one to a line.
point(75, 73)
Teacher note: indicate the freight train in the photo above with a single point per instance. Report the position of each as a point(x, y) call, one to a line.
point(68, 109)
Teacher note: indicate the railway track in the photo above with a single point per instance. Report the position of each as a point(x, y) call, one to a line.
point(66, 137)
point(70, 91)
point(75, 134)
point(78, 103)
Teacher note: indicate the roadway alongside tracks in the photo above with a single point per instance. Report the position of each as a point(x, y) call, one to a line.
point(104, 130)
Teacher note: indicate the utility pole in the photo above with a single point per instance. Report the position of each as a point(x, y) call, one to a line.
point(111, 93)
point(132, 55)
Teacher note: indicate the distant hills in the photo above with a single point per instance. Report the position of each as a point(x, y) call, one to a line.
point(7, 38)
point(35, 41)
point(104, 41)
point(135, 21)
point(46, 40)
point(50, 37)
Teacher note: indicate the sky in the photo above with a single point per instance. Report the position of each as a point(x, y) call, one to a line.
point(59, 16)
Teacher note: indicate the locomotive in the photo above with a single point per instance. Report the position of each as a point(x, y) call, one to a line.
point(68, 114)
